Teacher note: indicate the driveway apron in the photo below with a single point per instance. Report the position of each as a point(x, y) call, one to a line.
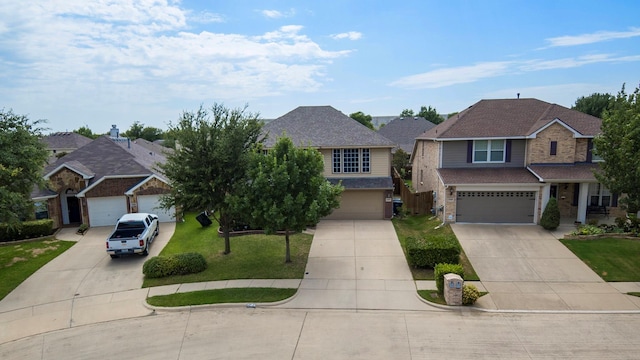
point(524, 267)
point(356, 264)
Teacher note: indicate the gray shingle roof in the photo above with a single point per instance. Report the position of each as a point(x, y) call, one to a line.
point(364, 182)
point(565, 172)
point(466, 176)
point(403, 131)
point(65, 140)
point(511, 118)
point(322, 127)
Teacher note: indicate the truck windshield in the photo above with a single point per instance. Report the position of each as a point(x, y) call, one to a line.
point(130, 225)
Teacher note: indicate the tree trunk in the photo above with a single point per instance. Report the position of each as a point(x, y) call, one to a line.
point(288, 256)
point(227, 243)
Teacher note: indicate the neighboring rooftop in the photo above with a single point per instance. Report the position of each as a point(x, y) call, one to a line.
point(322, 127)
point(65, 140)
point(404, 130)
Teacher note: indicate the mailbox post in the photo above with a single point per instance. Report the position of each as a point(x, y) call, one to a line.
point(453, 289)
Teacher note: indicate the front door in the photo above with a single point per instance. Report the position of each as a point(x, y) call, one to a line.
point(553, 191)
point(73, 205)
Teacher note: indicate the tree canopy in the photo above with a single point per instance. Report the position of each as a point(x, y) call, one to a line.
point(139, 131)
point(619, 146)
point(287, 190)
point(22, 158)
point(430, 114)
point(85, 131)
point(594, 104)
point(406, 113)
point(362, 118)
point(210, 166)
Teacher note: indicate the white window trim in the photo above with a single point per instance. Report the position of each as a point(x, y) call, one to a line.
point(488, 151)
point(342, 161)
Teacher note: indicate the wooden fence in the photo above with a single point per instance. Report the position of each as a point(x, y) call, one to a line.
point(414, 203)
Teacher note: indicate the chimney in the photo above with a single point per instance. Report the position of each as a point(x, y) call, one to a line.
point(518, 95)
point(114, 132)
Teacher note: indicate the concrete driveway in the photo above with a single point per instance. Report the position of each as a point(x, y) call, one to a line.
point(524, 267)
point(81, 286)
point(356, 265)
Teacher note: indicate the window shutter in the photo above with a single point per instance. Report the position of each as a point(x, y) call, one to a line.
point(590, 151)
point(554, 148)
point(614, 201)
point(576, 194)
point(469, 151)
point(507, 156)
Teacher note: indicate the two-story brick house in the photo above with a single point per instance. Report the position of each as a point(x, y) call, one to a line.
point(354, 155)
point(499, 161)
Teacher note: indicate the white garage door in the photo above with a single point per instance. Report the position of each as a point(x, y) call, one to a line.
point(151, 204)
point(360, 205)
point(105, 211)
point(496, 206)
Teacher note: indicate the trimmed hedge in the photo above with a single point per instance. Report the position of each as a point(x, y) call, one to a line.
point(441, 270)
point(433, 250)
point(178, 264)
point(26, 230)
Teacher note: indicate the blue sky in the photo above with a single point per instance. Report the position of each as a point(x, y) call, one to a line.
point(103, 62)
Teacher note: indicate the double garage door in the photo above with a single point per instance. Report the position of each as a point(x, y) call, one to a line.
point(495, 206)
point(105, 211)
point(360, 205)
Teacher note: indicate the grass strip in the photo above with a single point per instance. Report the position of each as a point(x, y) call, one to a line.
point(612, 259)
point(222, 296)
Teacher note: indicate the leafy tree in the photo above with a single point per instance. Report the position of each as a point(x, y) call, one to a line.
point(287, 190)
point(619, 146)
point(135, 131)
point(151, 133)
point(210, 166)
point(85, 131)
point(400, 160)
point(430, 114)
point(22, 158)
point(406, 113)
point(594, 104)
point(550, 219)
point(362, 118)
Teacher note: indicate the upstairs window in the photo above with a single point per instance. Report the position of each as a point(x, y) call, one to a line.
point(554, 148)
point(488, 151)
point(337, 156)
point(350, 161)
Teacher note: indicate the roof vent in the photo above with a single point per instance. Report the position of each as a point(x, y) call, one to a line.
point(518, 95)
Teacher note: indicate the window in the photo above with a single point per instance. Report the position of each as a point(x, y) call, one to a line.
point(594, 155)
point(599, 195)
point(554, 148)
point(42, 211)
point(488, 151)
point(351, 161)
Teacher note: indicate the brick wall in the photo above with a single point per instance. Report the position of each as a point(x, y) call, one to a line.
point(66, 179)
point(113, 187)
point(538, 149)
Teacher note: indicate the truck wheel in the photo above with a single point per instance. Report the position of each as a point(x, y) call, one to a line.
point(146, 250)
point(114, 256)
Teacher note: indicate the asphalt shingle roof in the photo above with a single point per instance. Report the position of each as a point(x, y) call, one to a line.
point(465, 176)
point(322, 127)
point(364, 182)
point(403, 131)
point(565, 172)
point(510, 118)
point(65, 140)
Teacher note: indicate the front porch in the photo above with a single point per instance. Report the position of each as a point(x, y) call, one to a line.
point(582, 203)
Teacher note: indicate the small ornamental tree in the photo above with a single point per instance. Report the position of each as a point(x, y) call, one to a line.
point(551, 215)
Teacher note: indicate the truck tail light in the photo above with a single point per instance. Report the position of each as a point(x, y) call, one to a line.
point(141, 242)
point(107, 244)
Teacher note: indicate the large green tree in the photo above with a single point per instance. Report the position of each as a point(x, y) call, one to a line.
point(209, 167)
point(287, 190)
point(362, 118)
point(85, 131)
point(619, 146)
point(139, 131)
point(594, 104)
point(406, 113)
point(431, 114)
point(22, 158)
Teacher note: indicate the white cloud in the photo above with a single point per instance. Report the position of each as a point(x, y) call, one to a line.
point(600, 36)
point(275, 14)
point(351, 35)
point(205, 17)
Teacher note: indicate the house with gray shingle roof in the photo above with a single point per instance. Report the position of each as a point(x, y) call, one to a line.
point(102, 180)
point(354, 155)
point(403, 130)
point(500, 161)
point(62, 143)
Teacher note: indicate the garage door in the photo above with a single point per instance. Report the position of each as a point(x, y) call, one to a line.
point(151, 204)
point(105, 211)
point(495, 206)
point(360, 205)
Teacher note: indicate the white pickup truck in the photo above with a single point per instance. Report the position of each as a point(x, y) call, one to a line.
point(133, 234)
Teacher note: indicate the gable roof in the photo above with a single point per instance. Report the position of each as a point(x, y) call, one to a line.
point(154, 147)
point(511, 118)
point(322, 127)
point(403, 131)
point(65, 140)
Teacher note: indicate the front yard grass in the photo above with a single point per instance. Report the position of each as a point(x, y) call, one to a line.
point(612, 259)
point(252, 256)
point(18, 261)
point(421, 226)
point(222, 296)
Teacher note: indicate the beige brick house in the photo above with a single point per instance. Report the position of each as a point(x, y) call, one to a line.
point(500, 161)
point(354, 155)
point(100, 181)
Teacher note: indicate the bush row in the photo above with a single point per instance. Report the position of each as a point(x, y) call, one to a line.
point(433, 250)
point(26, 230)
point(178, 264)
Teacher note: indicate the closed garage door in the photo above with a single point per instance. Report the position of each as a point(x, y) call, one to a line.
point(496, 206)
point(360, 205)
point(151, 204)
point(105, 211)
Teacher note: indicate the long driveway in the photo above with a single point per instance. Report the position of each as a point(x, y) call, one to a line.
point(357, 265)
point(524, 267)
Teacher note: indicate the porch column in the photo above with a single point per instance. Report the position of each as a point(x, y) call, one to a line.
point(546, 192)
point(582, 203)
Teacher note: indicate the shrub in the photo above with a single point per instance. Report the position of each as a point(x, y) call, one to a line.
point(434, 250)
point(441, 270)
point(588, 230)
point(551, 215)
point(470, 294)
point(629, 224)
point(26, 230)
point(178, 264)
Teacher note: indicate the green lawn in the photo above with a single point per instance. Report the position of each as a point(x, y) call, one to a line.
point(612, 259)
point(421, 226)
point(222, 296)
point(251, 257)
point(19, 261)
